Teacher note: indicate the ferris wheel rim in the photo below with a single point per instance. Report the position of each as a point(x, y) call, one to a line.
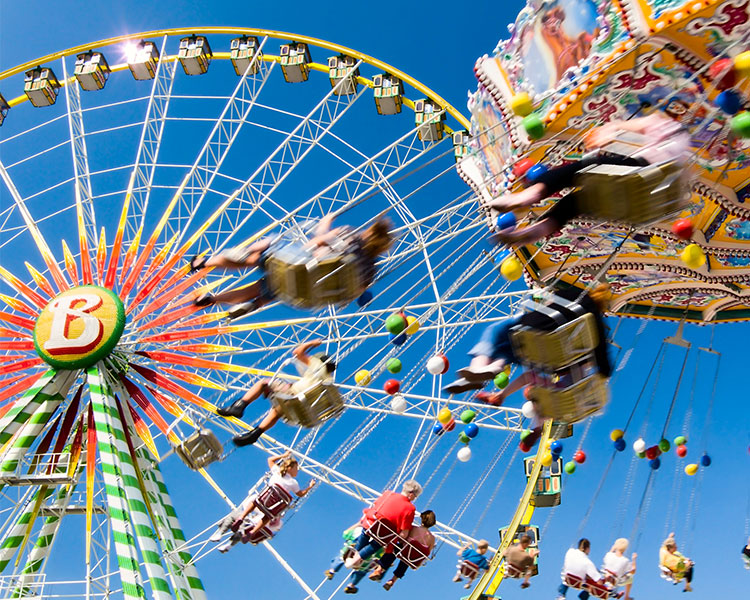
point(224, 30)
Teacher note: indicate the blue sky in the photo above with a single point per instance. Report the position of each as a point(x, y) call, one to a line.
point(437, 43)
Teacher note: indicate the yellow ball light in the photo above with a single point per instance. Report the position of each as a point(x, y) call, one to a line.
point(362, 377)
point(691, 469)
point(546, 459)
point(506, 370)
point(412, 325)
point(444, 415)
point(742, 64)
point(521, 104)
point(693, 256)
point(616, 434)
point(511, 268)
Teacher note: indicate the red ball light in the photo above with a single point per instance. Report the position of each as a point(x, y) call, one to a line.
point(392, 386)
point(524, 447)
point(527, 392)
point(652, 452)
point(683, 228)
point(723, 74)
point(681, 450)
point(579, 457)
point(523, 165)
point(450, 425)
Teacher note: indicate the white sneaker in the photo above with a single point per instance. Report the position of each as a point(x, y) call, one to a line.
point(353, 561)
point(216, 537)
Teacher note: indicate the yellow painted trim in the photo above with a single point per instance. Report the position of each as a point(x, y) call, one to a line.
point(282, 35)
point(492, 578)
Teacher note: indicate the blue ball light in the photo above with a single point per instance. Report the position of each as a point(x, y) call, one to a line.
point(556, 447)
point(471, 430)
point(729, 101)
point(620, 444)
point(437, 429)
point(398, 340)
point(655, 463)
point(505, 221)
point(535, 173)
point(364, 298)
point(706, 460)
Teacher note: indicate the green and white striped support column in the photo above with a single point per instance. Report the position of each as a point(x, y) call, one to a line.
point(46, 536)
point(51, 386)
point(128, 514)
point(180, 563)
point(39, 552)
point(14, 536)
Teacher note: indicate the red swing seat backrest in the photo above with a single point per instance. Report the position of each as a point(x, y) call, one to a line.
point(413, 553)
point(597, 589)
point(273, 501)
point(572, 581)
point(256, 538)
point(382, 531)
point(468, 568)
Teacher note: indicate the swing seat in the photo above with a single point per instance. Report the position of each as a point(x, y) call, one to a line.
point(512, 571)
point(669, 575)
point(553, 350)
point(297, 277)
point(413, 554)
point(573, 403)
point(273, 501)
point(383, 532)
point(259, 536)
point(635, 195)
point(468, 569)
point(310, 408)
point(598, 589)
point(200, 449)
point(572, 581)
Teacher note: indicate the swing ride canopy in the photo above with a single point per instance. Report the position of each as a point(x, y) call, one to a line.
point(586, 62)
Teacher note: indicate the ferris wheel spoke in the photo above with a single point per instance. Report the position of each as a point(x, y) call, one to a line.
point(351, 487)
point(282, 161)
point(140, 182)
point(82, 175)
point(197, 182)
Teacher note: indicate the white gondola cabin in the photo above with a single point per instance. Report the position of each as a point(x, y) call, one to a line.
point(295, 60)
point(142, 58)
point(41, 86)
point(549, 484)
point(91, 71)
point(200, 449)
point(343, 69)
point(4, 108)
point(242, 51)
point(389, 93)
point(533, 532)
point(195, 54)
point(429, 118)
point(460, 144)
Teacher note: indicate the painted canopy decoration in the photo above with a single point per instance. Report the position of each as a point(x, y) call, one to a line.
point(584, 63)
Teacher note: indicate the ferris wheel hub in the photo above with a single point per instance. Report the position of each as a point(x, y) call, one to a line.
point(79, 327)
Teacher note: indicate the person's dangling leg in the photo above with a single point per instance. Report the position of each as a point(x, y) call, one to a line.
point(252, 436)
point(237, 408)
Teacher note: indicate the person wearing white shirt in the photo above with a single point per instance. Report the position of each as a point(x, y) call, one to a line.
point(619, 566)
point(578, 563)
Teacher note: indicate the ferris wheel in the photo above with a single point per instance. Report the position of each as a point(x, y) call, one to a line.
point(122, 159)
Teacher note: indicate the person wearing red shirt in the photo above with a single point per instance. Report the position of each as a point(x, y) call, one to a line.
point(390, 506)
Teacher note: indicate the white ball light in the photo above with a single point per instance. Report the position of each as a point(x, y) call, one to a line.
point(639, 445)
point(528, 409)
point(464, 454)
point(437, 365)
point(398, 403)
